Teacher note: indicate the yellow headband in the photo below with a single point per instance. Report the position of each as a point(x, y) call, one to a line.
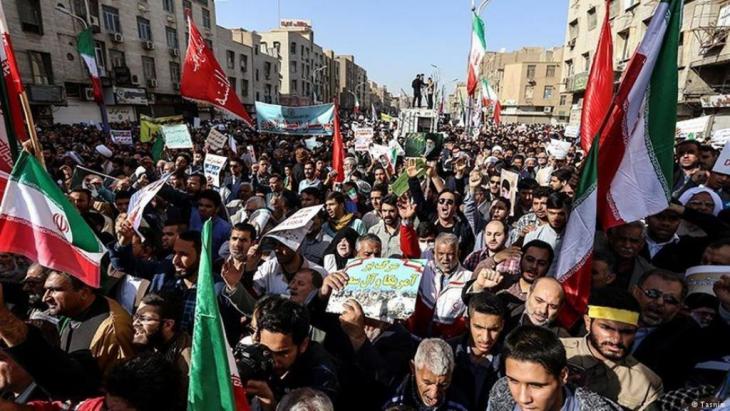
point(613, 314)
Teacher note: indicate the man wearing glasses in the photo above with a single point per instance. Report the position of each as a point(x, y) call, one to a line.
point(667, 340)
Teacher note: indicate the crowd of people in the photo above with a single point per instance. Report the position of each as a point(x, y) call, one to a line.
point(484, 334)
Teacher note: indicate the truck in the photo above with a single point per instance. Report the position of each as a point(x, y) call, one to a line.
point(417, 120)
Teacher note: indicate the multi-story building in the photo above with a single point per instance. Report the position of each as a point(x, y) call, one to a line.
point(527, 82)
point(235, 59)
point(455, 101)
point(353, 81)
point(264, 65)
point(139, 50)
point(329, 78)
point(294, 41)
point(704, 52)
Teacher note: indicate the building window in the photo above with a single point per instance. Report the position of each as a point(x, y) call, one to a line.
point(206, 18)
point(267, 70)
point(40, 67)
point(244, 88)
point(529, 92)
point(244, 63)
point(586, 61)
point(294, 67)
point(148, 68)
point(573, 29)
point(187, 5)
point(174, 73)
point(111, 19)
point(257, 96)
point(116, 57)
point(168, 5)
point(31, 19)
point(294, 86)
point(531, 72)
point(624, 44)
point(547, 93)
point(232, 82)
point(302, 51)
point(144, 29)
point(550, 71)
point(592, 19)
point(209, 42)
point(563, 100)
point(100, 53)
point(277, 47)
point(230, 59)
point(569, 68)
point(293, 48)
point(171, 35)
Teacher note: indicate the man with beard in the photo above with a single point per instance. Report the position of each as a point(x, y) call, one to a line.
point(477, 351)
point(32, 284)
point(339, 218)
point(240, 265)
point(274, 276)
point(664, 332)
point(558, 208)
point(541, 308)
point(494, 239)
point(537, 257)
point(439, 308)
point(310, 180)
point(601, 361)
point(156, 329)
point(534, 220)
point(625, 242)
point(388, 228)
point(316, 241)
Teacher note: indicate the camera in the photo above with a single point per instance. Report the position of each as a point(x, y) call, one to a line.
point(254, 362)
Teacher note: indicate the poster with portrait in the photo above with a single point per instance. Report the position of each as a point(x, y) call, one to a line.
point(386, 288)
point(427, 145)
point(508, 188)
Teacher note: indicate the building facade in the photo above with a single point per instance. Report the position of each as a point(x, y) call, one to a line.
point(527, 82)
point(353, 82)
point(265, 66)
point(703, 61)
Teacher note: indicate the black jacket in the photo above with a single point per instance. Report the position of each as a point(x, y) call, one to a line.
point(476, 380)
point(671, 350)
point(407, 395)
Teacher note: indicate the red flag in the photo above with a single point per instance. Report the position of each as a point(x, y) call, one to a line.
point(599, 89)
point(338, 150)
point(204, 80)
point(13, 82)
point(497, 113)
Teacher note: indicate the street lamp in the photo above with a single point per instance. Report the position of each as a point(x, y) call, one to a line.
point(61, 8)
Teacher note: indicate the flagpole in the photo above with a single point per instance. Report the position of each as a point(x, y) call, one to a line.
point(35, 142)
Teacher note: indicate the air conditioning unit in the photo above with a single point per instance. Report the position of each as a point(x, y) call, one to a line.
point(148, 45)
point(176, 86)
point(88, 94)
point(171, 18)
point(174, 52)
point(571, 43)
point(94, 20)
point(152, 83)
point(547, 109)
point(117, 38)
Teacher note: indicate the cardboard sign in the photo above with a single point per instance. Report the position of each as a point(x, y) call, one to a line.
point(213, 166)
point(701, 278)
point(572, 131)
point(720, 137)
point(216, 140)
point(291, 232)
point(177, 136)
point(558, 149)
point(722, 164)
point(122, 137)
point(508, 187)
point(386, 288)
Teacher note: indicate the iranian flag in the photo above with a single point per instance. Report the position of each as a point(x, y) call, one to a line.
point(85, 45)
point(214, 381)
point(636, 155)
point(38, 222)
point(574, 259)
point(476, 54)
point(13, 84)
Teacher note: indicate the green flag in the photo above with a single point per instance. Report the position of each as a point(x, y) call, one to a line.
point(214, 382)
point(158, 147)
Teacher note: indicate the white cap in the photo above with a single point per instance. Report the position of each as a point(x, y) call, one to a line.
point(104, 151)
point(497, 148)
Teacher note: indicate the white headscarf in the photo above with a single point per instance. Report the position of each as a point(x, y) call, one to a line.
point(687, 196)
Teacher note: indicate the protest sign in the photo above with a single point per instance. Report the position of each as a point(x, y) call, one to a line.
point(216, 140)
point(400, 185)
point(363, 138)
point(508, 187)
point(722, 164)
point(212, 166)
point(693, 129)
point(251, 151)
point(177, 136)
point(122, 137)
point(572, 131)
point(427, 145)
point(139, 201)
point(386, 288)
point(291, 232)
point(150, 127)
point(720, 137)
point(312, 143)
point(558, 149)
point(306, 120)
point(701, 278)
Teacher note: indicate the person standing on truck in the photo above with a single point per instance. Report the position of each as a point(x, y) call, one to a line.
point(417, 85)
point(430, 87)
